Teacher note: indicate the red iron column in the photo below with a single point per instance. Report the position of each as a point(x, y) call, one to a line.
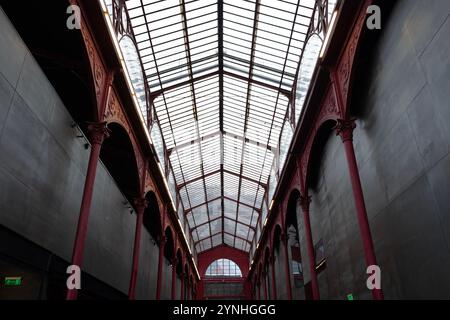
point(304, 203)
point(344, 129)
point(160, 267)
point(140, 204)
point(98, 132)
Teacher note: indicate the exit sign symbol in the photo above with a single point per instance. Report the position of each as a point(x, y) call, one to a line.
point(13, 281)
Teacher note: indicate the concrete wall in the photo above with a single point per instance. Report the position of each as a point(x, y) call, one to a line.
point(148, 268)
point(402, 147)
point(280, 273)
point(42, 172)
point(166, 285)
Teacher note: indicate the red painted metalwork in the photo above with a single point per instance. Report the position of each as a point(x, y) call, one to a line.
point(332, 103)
point(140, 205)
point(237, 256)
point(345, 130)
point(114, 104)
point(328, 110)
point(98, 132)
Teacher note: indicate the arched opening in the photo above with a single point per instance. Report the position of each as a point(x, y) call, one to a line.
point(316, 153)
point(117, 153)
point(223, 268)
point(223, 280)
point(169, 251)
point(293, 245)
point(152, 218)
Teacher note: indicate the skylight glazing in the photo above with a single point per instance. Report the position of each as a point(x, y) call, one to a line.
point(219, 76)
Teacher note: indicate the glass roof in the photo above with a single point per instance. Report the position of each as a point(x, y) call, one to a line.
point(220, 74)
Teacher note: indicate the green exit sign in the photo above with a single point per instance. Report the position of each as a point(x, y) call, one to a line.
point(350, 296)
point(13, 281)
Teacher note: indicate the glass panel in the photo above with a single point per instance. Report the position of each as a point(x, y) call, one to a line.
point(285, 141)
point(307, 66)
point(158, 143)
point(223, 268)
point(257, 64)
point(172, 186)
point(272, 183)
point(215, 209)
point(217, 240)
point(216, 226)
point(134, 69)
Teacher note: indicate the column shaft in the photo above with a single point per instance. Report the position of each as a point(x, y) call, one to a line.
point(345, 130)
point(98, 132)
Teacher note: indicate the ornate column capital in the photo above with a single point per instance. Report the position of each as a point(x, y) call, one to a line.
point(98, 131)
point(141, 203)
point(344, 129)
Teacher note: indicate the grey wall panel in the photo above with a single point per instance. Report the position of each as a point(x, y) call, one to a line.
point(402, 149)
point(109, 245)
point(280, 273)
point(6, 95)
point(13, 50)
point(42, 171)
point(148, 268)
point(166, 285)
